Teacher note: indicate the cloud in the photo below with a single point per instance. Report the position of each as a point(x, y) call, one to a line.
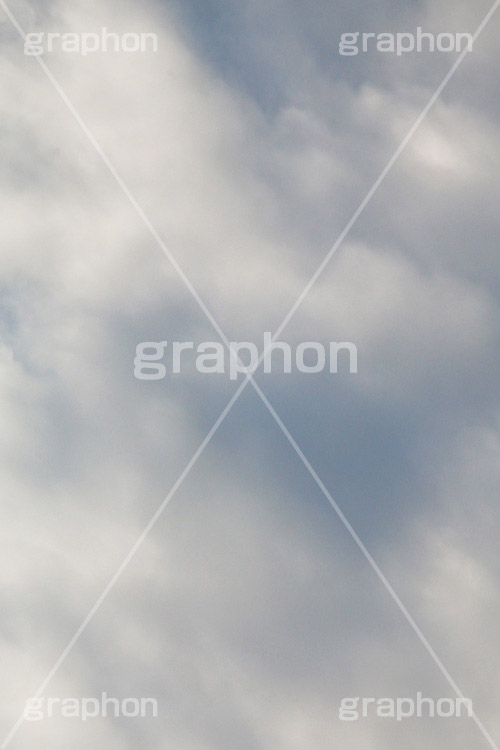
point(249, 611)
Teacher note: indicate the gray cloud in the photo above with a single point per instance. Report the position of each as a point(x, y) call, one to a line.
point(249, 612)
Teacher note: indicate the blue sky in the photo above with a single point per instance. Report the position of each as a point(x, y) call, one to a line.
point(249, 142)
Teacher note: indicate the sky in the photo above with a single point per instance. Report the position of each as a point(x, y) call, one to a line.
point(246, 143)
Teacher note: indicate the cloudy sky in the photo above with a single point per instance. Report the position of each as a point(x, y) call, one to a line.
point(249, 611)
